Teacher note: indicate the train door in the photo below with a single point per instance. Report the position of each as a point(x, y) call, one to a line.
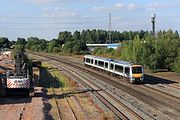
point(127, 72)
point(111, 67)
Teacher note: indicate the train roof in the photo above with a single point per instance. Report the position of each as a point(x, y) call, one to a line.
point(122, 62)
point(111, 60)
point(108, 59)
point(97, 57)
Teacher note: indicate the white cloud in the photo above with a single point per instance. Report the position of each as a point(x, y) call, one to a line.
point(156, 5)
point(117, 6)
point(57, 12)
point(133, 6)
point(38, 1)
point(101, 8)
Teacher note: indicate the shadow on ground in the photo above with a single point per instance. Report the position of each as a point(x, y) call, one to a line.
point(153, 80)
point(15, 99)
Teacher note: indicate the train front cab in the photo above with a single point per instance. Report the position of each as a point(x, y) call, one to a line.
point(137, 74)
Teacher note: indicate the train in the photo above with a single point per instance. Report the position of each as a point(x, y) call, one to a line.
point(133, 72)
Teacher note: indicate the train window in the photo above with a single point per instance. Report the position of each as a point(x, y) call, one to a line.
point(101, 63)
point(119, 68)
point(87, 60)
point(106, 64)
point(111, 66)
point(92, 61)
point(127, 69)
point(136, 70)
point(95, 62)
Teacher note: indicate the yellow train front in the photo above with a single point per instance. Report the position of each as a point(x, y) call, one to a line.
point(136, 74)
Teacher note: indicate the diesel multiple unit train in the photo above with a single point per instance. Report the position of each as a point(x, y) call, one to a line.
point(134, 72)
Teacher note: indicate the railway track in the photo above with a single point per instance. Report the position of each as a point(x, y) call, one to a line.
point(56, 101)
point(174, 86)
point(99, 93)
point(59, 113)
point(162, 93)
point(163, 104)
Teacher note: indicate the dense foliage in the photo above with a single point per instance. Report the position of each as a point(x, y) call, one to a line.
point(160, 52)
point(155, 53)
point(75, 43)
point(4, 42)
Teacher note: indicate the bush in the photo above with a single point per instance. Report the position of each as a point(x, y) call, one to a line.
point(177, 64)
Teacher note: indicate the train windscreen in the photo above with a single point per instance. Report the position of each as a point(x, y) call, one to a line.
point(136, 70)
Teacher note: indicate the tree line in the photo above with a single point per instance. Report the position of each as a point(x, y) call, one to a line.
point(159, 52)
point(75, 43)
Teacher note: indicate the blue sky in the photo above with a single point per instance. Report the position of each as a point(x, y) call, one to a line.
point(46, 18)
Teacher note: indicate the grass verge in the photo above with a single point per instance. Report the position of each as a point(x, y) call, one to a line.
point(65, 91)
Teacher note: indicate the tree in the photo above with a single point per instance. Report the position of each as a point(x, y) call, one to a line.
point(177, 64)
point(4, 42)
point(68, 47)
point(64, 36)
point(176, 34)
point(53, 46)
point(21, 41)
point(133, 51)
point(77, 35)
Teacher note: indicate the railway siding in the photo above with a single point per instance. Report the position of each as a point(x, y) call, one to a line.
point(107, 96)
point(68, 99)
point(130, 89)
point(139, 109)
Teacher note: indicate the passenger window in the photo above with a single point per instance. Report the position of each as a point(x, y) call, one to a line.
point(101, 63)
point(119, 68)
point(87, 60)
point(111, 66)
point(106, 65)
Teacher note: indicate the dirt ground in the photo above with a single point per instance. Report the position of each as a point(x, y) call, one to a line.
point(11, 107)
point(21, 107)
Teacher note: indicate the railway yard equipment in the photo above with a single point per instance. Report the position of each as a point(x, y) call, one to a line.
point(20, 79)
